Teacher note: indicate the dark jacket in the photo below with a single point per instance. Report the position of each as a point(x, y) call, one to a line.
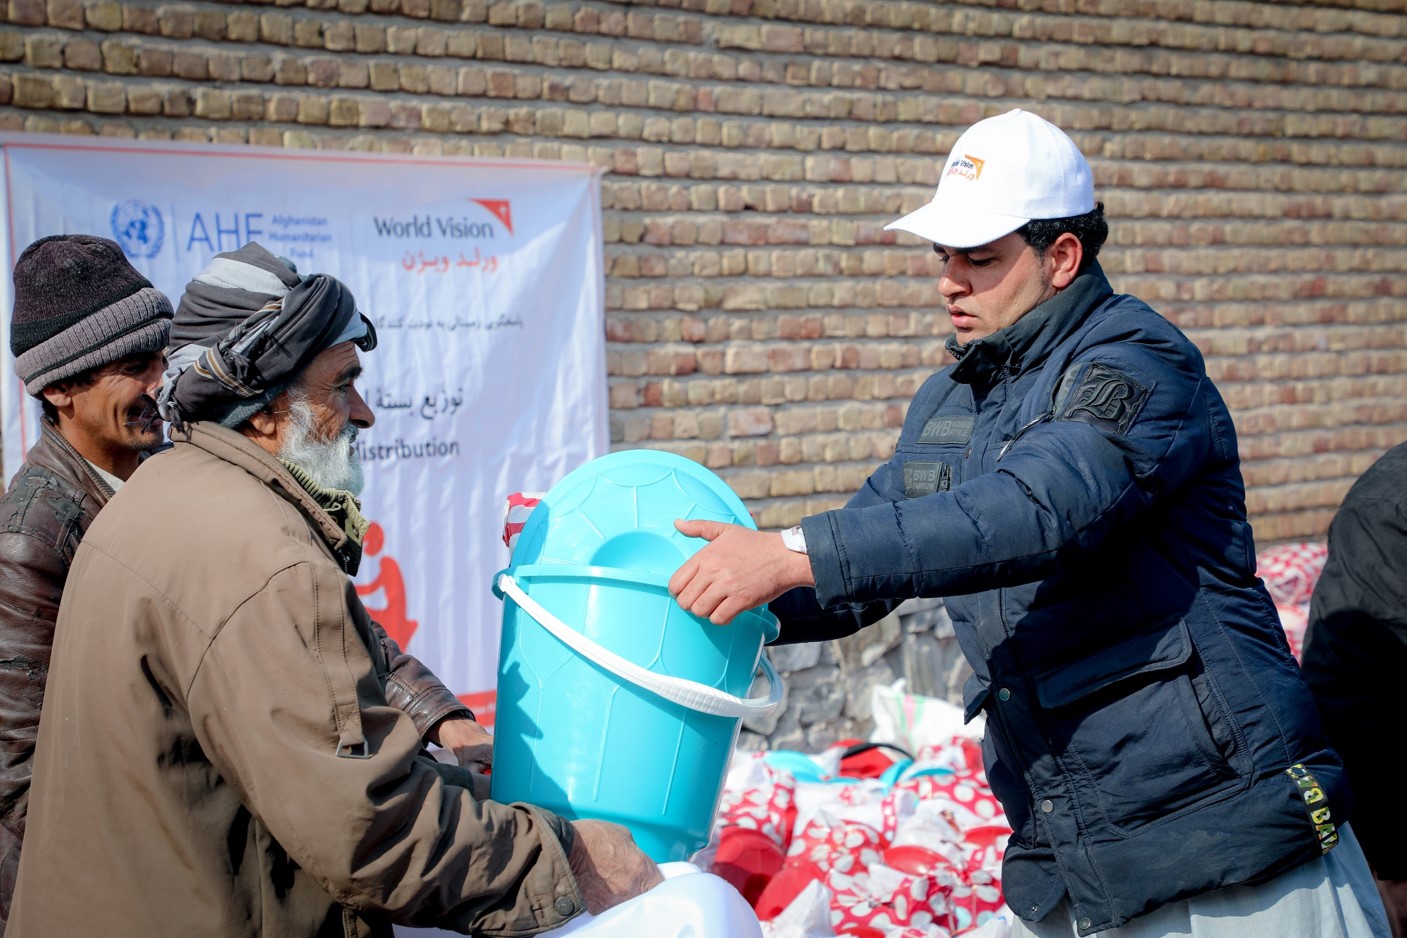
point(1072, 487)
point(51, 502)
point(43, 515)
point(1355, 652)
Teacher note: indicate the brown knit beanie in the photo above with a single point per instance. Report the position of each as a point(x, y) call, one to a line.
point(78, 305)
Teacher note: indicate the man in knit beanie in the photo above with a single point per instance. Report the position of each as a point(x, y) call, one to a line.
point(88, 333)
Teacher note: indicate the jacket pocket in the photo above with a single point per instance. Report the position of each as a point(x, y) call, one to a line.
point(1130, 721)
point(1003, 770)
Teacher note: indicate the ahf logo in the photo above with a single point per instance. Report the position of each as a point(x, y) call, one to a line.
point(138, 227)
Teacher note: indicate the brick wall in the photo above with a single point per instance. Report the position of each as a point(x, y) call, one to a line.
point(1251, 156)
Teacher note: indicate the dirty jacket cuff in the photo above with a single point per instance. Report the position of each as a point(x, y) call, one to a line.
point(562, 828)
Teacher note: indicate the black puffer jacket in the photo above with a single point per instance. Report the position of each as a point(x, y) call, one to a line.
point(1072, 488)
point(1355, 652)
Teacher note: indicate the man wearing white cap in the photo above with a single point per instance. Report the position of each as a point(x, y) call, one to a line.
point(1072, 488)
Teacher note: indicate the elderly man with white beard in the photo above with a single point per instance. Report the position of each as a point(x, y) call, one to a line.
point(238, 285)
point(218, 752)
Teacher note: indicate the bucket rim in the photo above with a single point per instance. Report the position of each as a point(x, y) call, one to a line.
point(542, 534)
point(770, 626)
point(657, 459)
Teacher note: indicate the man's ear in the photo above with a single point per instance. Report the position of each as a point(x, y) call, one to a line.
point(59, 395)
point(264, 425)
point(1064, 256)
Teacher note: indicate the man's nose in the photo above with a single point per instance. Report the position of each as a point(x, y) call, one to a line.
point(950, 286)
point(362, 414)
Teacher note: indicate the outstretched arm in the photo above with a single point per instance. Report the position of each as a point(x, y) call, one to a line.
point(739, 569)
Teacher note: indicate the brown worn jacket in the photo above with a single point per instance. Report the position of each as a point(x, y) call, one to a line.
point(51, 502)
point(217, 755)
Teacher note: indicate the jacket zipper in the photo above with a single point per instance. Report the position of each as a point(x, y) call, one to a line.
point(1007, 445)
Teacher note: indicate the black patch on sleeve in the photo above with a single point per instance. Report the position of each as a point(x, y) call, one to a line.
point(1104, 398)
point(926, 478)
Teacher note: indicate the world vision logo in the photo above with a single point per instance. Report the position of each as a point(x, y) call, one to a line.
point(470, 226)
point(966, 166)
point(500, 209)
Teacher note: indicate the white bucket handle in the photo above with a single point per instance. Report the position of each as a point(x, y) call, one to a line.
point(676, 690)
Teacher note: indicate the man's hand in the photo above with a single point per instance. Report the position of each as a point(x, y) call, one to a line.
point(739, 570)
point(608, 866)
point(471, 743)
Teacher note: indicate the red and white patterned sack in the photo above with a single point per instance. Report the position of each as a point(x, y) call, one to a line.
point(769, 806)
point(829, 849)
point(515, 515)
point(753, 829)
point(965, 798)
point(920, 858)
point(888, 901)
point(975, 899)
point(1290, 572)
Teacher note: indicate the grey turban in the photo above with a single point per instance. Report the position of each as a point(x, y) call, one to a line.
point(246, 327)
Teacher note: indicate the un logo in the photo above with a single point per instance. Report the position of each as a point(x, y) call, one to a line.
point(138, 227)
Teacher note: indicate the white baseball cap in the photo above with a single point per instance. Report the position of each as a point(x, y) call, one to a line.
point(1003, 172)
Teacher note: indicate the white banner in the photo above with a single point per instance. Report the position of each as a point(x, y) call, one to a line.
point(484, 279)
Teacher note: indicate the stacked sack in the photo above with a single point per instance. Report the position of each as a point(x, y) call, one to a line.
point(911, 850)
point(1290, 572)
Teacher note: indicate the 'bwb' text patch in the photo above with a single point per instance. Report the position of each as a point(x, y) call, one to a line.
point(1105, 398)
point(946, 430)
point(926, 478)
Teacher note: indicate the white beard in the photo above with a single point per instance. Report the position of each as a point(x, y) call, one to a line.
point(332, 463)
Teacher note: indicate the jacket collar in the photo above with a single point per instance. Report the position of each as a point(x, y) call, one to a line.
point(235, 448)
point(56, 454)
point(1026, 342)
point(339, 503)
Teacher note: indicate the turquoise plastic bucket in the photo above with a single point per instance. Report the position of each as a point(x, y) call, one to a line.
point(576, 735)
point(613, 701)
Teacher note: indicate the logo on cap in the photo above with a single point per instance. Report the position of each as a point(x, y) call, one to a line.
point(966, 166)
point(138, 227)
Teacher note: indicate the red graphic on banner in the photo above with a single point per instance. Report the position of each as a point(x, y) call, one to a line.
point(484, 703)
point(393, 618)
point(501, 210)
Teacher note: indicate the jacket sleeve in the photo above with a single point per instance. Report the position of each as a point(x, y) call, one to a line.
point(802, 616)
point(290, 711)
point(413, 688)
point(804, 619)
point(1061, 485)
point(1355, 652)
point(1362, 587)
point(32, 575)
